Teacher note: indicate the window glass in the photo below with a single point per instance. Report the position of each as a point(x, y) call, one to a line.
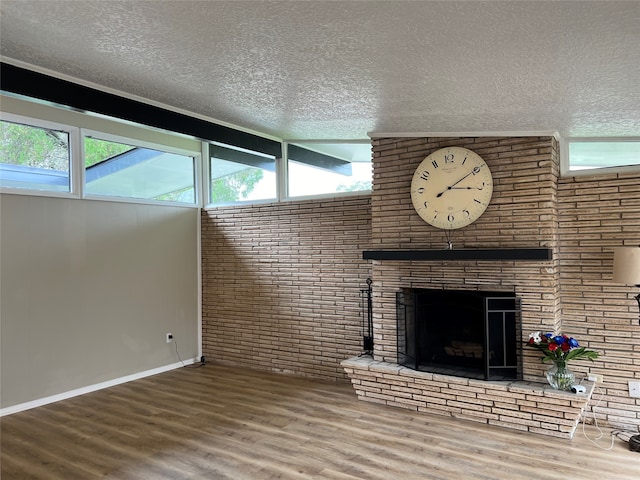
point(588, 155)
point(326, 168)
point(33, 157)
point(122, 170)
point(238, 174)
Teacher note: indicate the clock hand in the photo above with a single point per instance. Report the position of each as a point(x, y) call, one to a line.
point(468, 188)
point(474, 171)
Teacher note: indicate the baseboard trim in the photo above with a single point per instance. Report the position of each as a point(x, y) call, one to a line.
point(90, 388)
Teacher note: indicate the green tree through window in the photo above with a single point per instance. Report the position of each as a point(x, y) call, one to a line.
point(34, 147)
point(96, 151)
point(237, 186)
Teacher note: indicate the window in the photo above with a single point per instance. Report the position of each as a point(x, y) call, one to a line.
point(104, 158)
point(35, 155)
point(590, 154)
point(317, 168)
point(237, 174)
point(125, 170)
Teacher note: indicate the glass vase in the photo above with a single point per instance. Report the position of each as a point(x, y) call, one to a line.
point(560, 377)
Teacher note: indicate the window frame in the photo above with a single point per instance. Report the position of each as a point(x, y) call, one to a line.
point(287, 197)
point(109, 137)
point(74, 154)
point(207, 176)
point(565, 160)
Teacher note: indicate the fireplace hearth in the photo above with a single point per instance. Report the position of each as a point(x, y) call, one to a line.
point(471, 334)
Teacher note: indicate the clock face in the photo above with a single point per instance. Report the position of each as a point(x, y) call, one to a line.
point(451, 188)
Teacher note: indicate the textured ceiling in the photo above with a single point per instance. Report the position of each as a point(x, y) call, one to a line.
point(332, 70)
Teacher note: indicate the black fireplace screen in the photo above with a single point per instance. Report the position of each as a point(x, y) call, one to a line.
point(469, 334)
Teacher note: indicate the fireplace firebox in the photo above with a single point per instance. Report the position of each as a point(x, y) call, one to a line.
point(472, 334)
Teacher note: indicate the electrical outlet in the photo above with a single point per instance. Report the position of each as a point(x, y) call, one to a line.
point(634, 389)
point(595, 377)
point(169, 337)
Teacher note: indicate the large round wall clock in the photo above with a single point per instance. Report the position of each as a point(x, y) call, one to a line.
point(451, 188)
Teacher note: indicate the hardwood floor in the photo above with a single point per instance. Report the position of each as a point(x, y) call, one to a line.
point(219, 422)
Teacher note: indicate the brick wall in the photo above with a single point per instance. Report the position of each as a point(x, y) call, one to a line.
point(522, 213)
point(281, 284)
point(581, 219)
point(595, 214)
point(263, 265)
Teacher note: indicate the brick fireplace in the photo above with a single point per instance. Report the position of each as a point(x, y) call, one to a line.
point(521, 215)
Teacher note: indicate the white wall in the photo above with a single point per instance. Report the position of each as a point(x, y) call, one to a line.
point(88, 290)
